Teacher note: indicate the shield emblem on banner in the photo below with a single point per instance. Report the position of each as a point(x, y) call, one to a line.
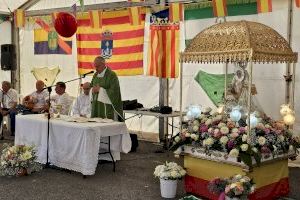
point(107, 44)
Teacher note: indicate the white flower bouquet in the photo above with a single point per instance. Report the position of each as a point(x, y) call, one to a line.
point(169, 171)
point(18, 160)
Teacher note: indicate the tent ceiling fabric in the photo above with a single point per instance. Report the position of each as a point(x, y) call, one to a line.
point(239, 41)
point(47, 4)
point(10, 5)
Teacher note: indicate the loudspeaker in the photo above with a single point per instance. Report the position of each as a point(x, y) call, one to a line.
point(8, 57)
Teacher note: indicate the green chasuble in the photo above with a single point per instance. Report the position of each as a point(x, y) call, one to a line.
point(110, 83)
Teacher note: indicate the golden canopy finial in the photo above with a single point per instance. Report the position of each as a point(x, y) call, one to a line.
point(236, 41)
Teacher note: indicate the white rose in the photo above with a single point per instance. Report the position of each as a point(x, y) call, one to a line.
point(267, 126)
point(208, 122)
point(177, 139)
point(281, 138)
point(244, 147)
point(224, 130)
point(244, 138)
point(234, 153)
point(195, 128)
point(196, 123)
point(210, 130)
point(261, 141)
point(224, 140)
point(234, 130)
point(291, 148)
point(193, 135)
point(208, 142)
point(220, 125)
point(187, 134)
point(174, 174)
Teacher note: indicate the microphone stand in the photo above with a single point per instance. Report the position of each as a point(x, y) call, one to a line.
point(49, 88)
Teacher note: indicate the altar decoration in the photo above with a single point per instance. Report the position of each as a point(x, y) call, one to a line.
point(225, 136)
point(235, 187)
point(168, 174)
point(240, 138)
point(18, 160)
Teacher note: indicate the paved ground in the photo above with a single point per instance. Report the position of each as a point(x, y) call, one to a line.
point(132, 180)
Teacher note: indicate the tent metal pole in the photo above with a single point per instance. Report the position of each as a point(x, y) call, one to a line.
point(250, 65)
point(288, 75)
point(102, 6)
point(28, 4)
point(225, 84)
point(293, 86)
point(15, 75)
point(180, 95)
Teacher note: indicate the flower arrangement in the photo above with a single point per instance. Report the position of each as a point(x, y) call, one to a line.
point(169, 171)
point(217, 132)
point(237, 186)
point(18, 160)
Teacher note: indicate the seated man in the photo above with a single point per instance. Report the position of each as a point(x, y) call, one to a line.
point(36, 101)
point(82, 106)
point(60, 102)
point(8, 100)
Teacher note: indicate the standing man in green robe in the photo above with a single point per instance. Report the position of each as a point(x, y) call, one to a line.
point(106, 102)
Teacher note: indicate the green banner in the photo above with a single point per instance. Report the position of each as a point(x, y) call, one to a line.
point(234, 8)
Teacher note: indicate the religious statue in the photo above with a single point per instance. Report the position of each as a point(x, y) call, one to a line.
point(237, 91)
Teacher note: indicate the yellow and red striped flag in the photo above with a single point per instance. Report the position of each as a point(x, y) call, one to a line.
point(135, 15)
point(19, 18)
point(163, 53)
point(264, 6)
point(219, 8)
point(96, 18)
point(176, 12)
point(297, 3)
point(120, 43)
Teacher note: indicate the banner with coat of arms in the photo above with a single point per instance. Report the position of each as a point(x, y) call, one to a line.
point(115, 38)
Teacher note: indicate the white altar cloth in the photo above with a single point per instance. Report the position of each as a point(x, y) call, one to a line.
point(72, 145)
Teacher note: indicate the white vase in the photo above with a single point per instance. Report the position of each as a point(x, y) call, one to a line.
point(168, 188)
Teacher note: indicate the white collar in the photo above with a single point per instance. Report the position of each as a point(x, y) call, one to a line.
point(101, 75)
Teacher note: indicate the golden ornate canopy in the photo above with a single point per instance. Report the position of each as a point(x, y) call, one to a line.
point(239, 41)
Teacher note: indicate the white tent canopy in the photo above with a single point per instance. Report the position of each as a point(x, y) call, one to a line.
point(11, 5)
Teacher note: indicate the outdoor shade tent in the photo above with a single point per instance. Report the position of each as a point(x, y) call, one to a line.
point(239, 41)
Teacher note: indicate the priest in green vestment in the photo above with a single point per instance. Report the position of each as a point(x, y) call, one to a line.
point(106, 102)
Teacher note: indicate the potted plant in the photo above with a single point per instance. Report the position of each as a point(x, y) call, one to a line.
point(168, 174)
point(237, 187)
point(18, 160)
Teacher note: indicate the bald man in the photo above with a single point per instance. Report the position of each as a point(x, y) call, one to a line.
point(36, 101)
point(82, 105)
point(106, 92)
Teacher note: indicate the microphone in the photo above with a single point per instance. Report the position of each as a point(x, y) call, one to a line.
point(91, 72)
